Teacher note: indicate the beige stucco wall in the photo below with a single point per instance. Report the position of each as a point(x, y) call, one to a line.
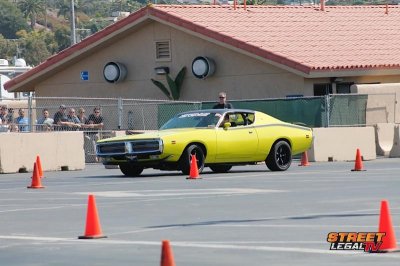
point(382, 99)
point(238, 74)
point(19, 150)
point(341, 144)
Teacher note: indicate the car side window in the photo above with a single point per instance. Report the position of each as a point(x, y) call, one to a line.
point(237, 120)
point(249, 118)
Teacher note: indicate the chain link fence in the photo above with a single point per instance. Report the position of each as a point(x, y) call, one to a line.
point(135, 115)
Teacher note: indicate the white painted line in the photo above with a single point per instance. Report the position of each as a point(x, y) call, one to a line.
point(208, 245)
point(296, 226)
point(180, 192)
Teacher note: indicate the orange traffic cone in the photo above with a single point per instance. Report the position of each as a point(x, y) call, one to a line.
point(36, 183)
point(304, 159)
point(358, 165)
point(194, 170)
point(39, 165)
point(385, 226)
point(93, 228)
point(167, 257)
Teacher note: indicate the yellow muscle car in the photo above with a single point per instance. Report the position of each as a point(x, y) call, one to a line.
point(220, 139)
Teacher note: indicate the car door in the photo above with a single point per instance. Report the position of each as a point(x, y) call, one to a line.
point(237, 143)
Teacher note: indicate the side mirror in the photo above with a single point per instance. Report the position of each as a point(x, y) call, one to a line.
point(226, 125)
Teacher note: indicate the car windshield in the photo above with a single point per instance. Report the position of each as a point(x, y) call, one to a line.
point(193, 119)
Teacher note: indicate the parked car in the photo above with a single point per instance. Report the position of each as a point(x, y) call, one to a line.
point(220, 139)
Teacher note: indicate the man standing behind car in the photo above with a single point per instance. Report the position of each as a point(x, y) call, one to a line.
point(223, 104)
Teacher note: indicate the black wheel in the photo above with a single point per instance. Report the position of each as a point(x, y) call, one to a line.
point(220, 168)
point(279, 157)
point(131, 170)
point(184, 161)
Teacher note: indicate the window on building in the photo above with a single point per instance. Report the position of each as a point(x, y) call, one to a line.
point(343, 87)
point(163, 51)
point(322, 89)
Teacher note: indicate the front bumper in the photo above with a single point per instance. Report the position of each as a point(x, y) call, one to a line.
point(130, 150)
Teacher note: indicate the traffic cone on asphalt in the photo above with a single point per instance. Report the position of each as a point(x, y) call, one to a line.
point(36, 183)
point(167, 257)
point(194, 170)
point(39, 165)
point(93, 228)
point(358, 164)
point(385, 226)
point(304, 159)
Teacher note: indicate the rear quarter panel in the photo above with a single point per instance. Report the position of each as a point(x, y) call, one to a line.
point(270, 129)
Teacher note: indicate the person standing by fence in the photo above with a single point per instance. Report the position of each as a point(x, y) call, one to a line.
point(95, 120)
point(222, 104)
point(22, 121)
point(82, 117)
point(45, 123)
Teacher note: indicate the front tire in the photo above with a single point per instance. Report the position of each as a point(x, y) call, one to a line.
point(279, 157)
point(131, 170)
point(184, 161)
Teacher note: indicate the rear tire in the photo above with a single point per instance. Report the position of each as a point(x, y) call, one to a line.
point(221, 168)
point(131, 170)
point(184, 161)
point(279, 157)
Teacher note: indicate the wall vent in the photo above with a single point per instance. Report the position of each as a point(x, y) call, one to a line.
point(163, 51)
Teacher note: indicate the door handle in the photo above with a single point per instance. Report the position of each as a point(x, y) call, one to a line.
point(250, 132)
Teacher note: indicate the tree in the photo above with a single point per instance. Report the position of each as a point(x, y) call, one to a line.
point(7, 48)
point(11, 20)
point(31, 9)
point(34, 46)
point(62, 37)
point(65, 8)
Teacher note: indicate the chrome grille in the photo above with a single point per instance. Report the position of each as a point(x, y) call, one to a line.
point(145, 146)
point(111, 148)
point(133, 147)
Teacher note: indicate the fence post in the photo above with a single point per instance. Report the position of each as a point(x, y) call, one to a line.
point(30, 113)
point(120, 112)
point(328, 109)
point(395, 107)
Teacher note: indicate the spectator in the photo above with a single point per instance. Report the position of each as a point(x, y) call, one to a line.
point(45, 123)
point(3, 114)
point(95, 120)
point(82, 117)
point(7, 115)
point(3, 126)
point(73, 120)
point(223, 104)
point(22, 121)
point(61, 119)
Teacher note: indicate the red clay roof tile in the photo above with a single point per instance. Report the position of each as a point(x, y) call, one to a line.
point(341, 37)
point(300, 37)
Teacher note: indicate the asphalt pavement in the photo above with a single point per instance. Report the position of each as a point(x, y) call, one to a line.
point(249, 216)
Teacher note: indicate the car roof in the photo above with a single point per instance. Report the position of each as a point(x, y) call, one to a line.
point(221, 111)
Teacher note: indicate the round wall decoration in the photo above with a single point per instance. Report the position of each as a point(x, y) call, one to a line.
point(114, 72)
point(203, 67)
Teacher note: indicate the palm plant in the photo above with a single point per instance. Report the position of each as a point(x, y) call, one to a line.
point(174, 86)
point(31, 9)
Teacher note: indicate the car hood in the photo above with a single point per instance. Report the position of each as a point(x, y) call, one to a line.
point(152, 134)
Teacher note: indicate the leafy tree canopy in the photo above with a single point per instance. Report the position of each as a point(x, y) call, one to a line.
point(11, 20)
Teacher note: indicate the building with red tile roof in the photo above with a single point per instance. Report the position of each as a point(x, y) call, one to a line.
point(257, 52)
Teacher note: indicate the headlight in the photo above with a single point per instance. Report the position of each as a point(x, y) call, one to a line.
point(161, 145)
